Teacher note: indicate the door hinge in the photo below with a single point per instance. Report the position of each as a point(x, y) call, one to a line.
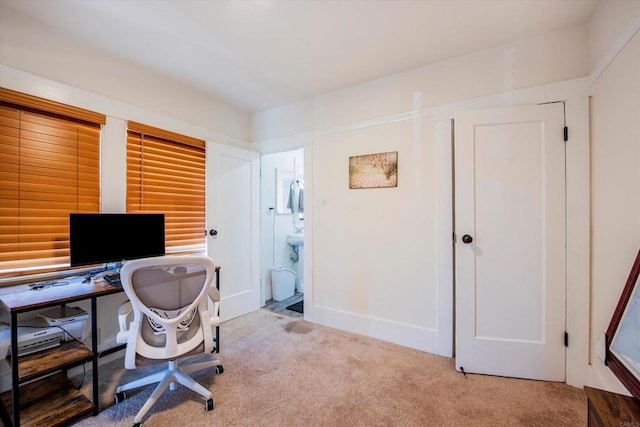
point(566, 339)
point(454, 238)
point(566, 134)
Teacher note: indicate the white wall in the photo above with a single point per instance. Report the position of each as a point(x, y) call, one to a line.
point(381, 261)
point(606, 26)
point(376, 251)
point(615, 151)
point(552, 57)
point(27, 45)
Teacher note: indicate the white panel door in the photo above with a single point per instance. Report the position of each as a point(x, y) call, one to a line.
point(510, 248)
point(232, 211)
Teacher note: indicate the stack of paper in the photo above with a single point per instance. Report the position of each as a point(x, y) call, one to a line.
point(62, 315)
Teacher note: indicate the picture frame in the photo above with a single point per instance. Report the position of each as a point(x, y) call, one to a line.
point(378, 170)
point(623, 335)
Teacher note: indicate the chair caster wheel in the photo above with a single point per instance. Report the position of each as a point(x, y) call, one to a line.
point(120, 396)
point(219, 369)
point(209, 405)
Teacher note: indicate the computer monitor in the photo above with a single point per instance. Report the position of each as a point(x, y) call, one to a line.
point(100, 238)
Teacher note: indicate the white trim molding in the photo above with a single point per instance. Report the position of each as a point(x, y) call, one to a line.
point(618, 45)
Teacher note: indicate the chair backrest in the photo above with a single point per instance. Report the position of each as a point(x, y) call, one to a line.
point(169, 297)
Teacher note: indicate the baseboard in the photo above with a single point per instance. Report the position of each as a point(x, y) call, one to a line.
point(406, 335)
point(597, 380)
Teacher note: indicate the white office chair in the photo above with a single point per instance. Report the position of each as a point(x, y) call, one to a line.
point(175, 313)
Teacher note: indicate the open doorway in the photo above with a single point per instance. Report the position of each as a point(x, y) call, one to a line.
point(282, 231)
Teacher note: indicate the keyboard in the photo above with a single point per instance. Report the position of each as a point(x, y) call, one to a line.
point(113, 279)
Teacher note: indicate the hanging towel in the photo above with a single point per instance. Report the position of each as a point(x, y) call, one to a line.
point(292, 197)
point(301, 200)
point(296, 197)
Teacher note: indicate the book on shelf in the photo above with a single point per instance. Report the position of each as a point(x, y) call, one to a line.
point(61, 315)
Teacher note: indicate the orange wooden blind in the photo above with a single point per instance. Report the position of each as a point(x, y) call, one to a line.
point(49, 167)
point(166, 174)
point(23, 100)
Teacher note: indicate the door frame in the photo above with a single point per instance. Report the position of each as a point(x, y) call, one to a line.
point(267, 205)
point(248, 299)
point(575, 93)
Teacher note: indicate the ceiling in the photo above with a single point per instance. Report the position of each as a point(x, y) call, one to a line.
point(258, 54)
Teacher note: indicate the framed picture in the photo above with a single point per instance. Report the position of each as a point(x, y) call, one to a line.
point(374, 170)
point(623, 334)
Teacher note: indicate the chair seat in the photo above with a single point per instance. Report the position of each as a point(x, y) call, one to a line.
point(145, 361)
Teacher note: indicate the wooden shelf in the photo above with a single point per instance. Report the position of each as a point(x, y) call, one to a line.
point(45, 396)
point(67, 354)
point(51, 401)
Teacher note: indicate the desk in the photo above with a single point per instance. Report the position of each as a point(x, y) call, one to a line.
point(43, 407)
point(39, 408)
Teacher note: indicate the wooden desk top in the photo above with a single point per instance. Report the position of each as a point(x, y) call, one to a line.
point(22, 298)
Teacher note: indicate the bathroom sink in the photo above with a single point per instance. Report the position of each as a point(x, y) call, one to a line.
point(295, 239)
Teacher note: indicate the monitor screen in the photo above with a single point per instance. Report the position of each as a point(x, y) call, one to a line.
point(103, 238)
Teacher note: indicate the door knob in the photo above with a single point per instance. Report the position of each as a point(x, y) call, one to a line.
point(467, 239)
point(213, 232)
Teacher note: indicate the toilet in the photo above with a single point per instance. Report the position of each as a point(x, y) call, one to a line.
point(283, 283)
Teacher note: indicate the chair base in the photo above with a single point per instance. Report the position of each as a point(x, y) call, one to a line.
point(168, 378)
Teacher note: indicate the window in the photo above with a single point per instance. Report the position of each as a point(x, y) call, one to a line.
point(49, 167)
point(166, 174)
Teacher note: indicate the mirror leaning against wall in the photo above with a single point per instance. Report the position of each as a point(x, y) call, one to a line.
point(284, 180)
point(290, 195)
point(623, 344)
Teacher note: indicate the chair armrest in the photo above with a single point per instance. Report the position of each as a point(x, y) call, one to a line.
point(214, 294)
point(123, 312)
point(214, 306)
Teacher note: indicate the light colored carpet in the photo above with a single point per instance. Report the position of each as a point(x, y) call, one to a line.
point(283, 371)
